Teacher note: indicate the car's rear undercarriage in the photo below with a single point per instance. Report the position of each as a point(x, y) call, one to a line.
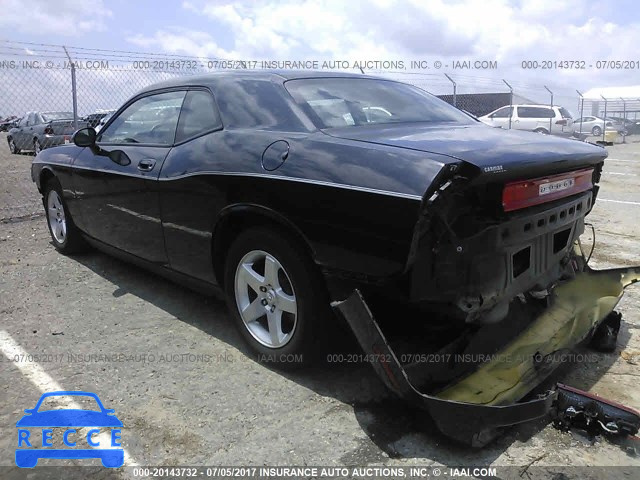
point(496, 301)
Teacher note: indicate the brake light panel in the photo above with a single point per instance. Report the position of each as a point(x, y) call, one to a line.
point(527, 193)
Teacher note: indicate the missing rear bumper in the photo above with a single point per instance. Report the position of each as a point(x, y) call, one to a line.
point(471, 409)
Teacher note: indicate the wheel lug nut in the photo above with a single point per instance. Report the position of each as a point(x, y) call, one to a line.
point(264, 301)
point(263, 289)
point(273, 308)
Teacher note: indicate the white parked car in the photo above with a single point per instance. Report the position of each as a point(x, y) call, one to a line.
point(536, 118)
point(594, 125)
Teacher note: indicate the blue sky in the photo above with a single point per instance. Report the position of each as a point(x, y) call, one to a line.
point(507, 31)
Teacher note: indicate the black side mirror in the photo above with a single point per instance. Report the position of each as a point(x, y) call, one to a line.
point(85, 137)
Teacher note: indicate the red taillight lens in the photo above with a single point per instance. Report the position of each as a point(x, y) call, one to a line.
point(526, 193)
point(48, 130)
point(562, 122)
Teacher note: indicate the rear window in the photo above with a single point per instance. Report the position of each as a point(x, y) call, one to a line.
point(565, 113)
point(343, 102)
point(48, 116)
point(254, 103)
point(535, 112)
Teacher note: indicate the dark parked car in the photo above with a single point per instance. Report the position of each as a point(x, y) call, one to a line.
point(39, 130)
point(287, 191)
point(630, 127)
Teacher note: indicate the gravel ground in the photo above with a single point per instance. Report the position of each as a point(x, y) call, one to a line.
point(209, 403)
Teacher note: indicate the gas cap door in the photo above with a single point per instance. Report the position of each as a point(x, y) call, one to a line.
point(275, 155)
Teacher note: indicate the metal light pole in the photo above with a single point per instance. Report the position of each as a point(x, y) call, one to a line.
point(604, 118)
point(581, 110)
point(510, 102)
point(74, 93)
point(550, 118)
point(624, 119)
point(454, 88)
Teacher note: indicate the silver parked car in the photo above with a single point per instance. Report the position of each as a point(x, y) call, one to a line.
point(40, 130)
point(535, 118)
point(594, 125)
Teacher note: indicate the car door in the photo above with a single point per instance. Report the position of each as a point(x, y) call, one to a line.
point(588, 124)
point(116, 182)
point(187, 228)
point(18, 135)
point(500, 118)
point(29, 131)
point(526, 118)
point(26, 133)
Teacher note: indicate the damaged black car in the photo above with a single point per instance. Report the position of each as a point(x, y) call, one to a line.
point(450, 248)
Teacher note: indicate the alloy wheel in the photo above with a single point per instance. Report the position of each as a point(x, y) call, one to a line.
point(56, 217)
point(265, 299)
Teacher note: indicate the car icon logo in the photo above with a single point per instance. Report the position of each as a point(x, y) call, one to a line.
point(36, 435)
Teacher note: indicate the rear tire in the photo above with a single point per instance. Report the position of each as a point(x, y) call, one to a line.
point(277, 297)
point(12, 146)
point(65, 235)
point(541, 130)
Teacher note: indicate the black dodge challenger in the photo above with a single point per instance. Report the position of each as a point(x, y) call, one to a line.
point(291, 192)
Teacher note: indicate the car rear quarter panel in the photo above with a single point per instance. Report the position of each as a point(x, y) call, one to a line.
point(355, 204)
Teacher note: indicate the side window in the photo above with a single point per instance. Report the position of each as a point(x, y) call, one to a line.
point(23, 122)
point(31, 120)
point(199, 115)
point(547, 113)
point(502, 113)
point(151, 119)
point(525, 112)
point(535, 112)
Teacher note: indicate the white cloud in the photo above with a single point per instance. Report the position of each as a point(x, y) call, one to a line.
point(509, 32)
point(59, 17)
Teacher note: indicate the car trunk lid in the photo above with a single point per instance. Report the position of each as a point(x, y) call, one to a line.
point(497, 154)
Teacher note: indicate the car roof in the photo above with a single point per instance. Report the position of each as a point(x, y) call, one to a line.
point(267, 75)
point(536, 105)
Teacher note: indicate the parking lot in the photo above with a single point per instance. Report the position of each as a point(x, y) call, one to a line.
point(178, 375)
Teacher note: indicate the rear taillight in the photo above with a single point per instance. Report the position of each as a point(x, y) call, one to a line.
point(526, 193)
point(562, 122)
point(48, 130)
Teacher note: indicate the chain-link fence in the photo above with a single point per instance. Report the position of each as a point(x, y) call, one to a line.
point(88, 84)
point(48, 91)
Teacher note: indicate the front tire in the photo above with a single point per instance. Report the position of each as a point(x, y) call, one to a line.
point(276, 297)
point(65, 235)
point(13, 148)
point(596, 131)
point(37, 148)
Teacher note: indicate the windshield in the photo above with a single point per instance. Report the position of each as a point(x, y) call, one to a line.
point(48, 116)
point(341, 102)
